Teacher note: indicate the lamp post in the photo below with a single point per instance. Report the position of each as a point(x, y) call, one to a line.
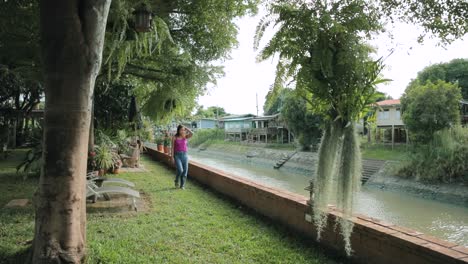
point(143, 18)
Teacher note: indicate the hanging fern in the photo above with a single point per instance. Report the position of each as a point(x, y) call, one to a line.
point(322, 50)
point(124, 44)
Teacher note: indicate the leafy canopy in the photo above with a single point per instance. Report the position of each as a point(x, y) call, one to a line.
point(274, 103)
point(321, 49)
point(171, 64)
point(454, 71)
point(444, 19)
point(210, 112)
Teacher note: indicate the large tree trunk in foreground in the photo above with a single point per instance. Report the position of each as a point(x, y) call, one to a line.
point(72, 34)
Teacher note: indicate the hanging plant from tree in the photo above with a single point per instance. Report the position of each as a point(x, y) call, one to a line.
point(322, 49)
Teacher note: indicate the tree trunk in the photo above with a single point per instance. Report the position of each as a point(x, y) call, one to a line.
point(14, 133)
point(72, 35)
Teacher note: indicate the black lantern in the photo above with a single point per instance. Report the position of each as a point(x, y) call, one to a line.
point(143, 17)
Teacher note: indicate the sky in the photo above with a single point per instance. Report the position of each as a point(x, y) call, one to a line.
point(245, 78)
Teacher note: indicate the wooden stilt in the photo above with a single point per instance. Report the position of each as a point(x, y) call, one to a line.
point(393, 136)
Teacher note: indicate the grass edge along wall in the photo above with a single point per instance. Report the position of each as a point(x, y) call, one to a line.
point(373, 241)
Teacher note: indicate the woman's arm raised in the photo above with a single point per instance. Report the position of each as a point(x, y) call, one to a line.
point(190, 133)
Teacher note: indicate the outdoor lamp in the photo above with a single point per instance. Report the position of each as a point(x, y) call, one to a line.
point(143, 17)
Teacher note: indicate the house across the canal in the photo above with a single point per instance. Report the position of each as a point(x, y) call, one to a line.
point(256, 129)
point(390, 126)
point(269, 129)
point(236, 127)
point(204, 123)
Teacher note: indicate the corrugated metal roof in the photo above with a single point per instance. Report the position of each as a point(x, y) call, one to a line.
point(389, 102)
point(230, 117)
point(238, 119)
point(265, 117)
point(210, 119)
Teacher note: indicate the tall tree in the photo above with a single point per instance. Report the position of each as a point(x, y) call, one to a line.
point(301, 120)
point(72, 39)
point(274, 101)
point(430, 107)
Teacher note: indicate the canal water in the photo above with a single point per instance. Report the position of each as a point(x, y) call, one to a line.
point(443, 220)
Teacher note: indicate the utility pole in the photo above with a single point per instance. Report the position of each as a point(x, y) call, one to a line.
point(256, 98)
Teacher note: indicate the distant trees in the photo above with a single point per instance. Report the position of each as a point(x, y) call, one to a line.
point(210, 112)
point(430, 107)
point(275, 100)
point(454, 71)
point(301, 121)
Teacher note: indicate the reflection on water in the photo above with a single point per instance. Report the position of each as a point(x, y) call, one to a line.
point(439, 219)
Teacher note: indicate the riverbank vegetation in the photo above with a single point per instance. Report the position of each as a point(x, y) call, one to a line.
point(193, 226)
point(207, 137)
point(444, 159)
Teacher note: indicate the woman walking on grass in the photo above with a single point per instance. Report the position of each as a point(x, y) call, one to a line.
point(179, 154)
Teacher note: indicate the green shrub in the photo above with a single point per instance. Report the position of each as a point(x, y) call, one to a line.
point(33, 161)
point(103, 137)
point(202, 136)
point(445, 159)
point(104, 157)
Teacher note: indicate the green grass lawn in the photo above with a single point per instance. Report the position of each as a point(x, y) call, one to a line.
point(383, 152)
point(194, 225)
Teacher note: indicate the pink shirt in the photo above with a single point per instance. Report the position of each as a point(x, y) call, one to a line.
point(180, 145)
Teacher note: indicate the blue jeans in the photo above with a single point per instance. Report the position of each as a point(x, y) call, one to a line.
point(181, 163)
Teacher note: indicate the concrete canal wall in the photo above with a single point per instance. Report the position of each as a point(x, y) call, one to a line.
point(304, 163)
point(373, 241)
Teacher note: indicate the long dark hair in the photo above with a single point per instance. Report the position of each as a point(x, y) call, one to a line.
point(179, 127)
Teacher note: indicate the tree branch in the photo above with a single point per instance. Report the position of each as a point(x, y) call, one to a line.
point(94, 18)
point(144, 76)
point(145, 68)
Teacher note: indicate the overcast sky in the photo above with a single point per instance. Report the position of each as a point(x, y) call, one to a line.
point(245, 77)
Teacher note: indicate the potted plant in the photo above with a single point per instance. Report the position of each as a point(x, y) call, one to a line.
point(167, 145)
point(117, 163)
point(91, 161)
point(160, 143)
point(104, 159)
